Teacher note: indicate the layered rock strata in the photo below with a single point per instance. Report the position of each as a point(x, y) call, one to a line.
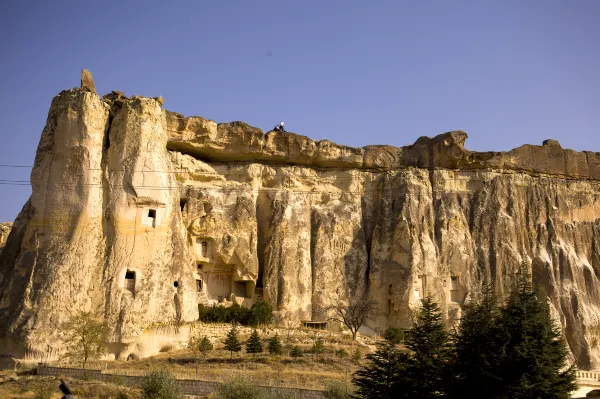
point(141, 214)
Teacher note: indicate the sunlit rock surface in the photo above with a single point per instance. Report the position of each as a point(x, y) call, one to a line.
point(141, 214)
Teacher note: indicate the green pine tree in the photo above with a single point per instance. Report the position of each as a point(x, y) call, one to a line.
point(394, 335)
point(383, 375)
point(254, 344)
point(296, 351)
point(356, 356)
point(478, 348)
point(428, 371)
point(232, 343)
point(275, 347)
point(318, 347)
point(534, 361)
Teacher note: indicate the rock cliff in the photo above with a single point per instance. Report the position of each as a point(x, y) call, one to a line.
point(4, 232)
point(141, 214)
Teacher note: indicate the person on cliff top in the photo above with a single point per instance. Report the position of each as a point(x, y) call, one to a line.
point(280, 128)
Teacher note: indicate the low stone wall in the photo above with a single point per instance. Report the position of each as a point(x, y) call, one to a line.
point(189, 387)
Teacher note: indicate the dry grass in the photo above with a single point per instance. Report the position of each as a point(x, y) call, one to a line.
point(265, 369)
point(12, 387)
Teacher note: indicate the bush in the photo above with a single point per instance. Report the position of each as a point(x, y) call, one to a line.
point(221, 314)
point(44, 389)
point(160, 385)
point(296, 351)
point(356, 356)
point(341, 353)
point(261, 313)
point(338, 390)
point(240, 388)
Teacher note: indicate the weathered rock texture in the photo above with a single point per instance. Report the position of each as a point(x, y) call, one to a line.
point(141, 214)
point(4, 231)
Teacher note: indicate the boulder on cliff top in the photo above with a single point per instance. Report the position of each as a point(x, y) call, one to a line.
point(87, 81)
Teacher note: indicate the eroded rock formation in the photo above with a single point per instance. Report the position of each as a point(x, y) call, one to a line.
point(141, 214)
point(4, 231)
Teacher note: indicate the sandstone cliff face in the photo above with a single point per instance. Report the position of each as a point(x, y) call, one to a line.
point(141, 214)
point(4, 232)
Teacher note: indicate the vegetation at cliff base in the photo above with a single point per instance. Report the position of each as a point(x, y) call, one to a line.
point(85, 337)
point(500, 351)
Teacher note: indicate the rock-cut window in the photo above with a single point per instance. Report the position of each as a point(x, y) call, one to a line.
point(130, 281)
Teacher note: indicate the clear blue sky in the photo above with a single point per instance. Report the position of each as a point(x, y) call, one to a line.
point(375, 72)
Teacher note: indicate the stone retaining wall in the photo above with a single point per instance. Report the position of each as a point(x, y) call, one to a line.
point(189, 387)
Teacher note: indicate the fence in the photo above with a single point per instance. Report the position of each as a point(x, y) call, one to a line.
point(188, 386)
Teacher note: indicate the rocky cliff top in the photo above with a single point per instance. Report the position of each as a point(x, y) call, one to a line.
point(241, 142)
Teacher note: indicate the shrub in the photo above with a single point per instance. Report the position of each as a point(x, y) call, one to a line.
point(240, 388)
point(296, 351)
point(160, 385)
point(341, 353)
point(261, 313)
point(318, 347)
point(338, 390)
point(221, 314)
point(44, 389)
point(356, 356)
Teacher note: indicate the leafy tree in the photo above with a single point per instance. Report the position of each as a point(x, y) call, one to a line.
point(205, 347)
point(318, 347)
point(261, 313)
point(352, 313)
point(381, 378)
point(394, 335)
point(160, 385)
point(479, 346)
point(296, 351)
point(275, 347)
point(86, 337)
point(199, 346)
point(534, 357)
point(254, 344)
point(432, 353)
point(232, 342)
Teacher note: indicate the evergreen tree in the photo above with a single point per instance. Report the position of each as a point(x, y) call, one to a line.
point(394, 335)
point(254, 344)
point(533, 363)
point(428, 370)
point(382, 377)
point(296, 351)
point(356, 356)
point(479, 347)
point(275, 347)
point(318, 347)
point(232, 343)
